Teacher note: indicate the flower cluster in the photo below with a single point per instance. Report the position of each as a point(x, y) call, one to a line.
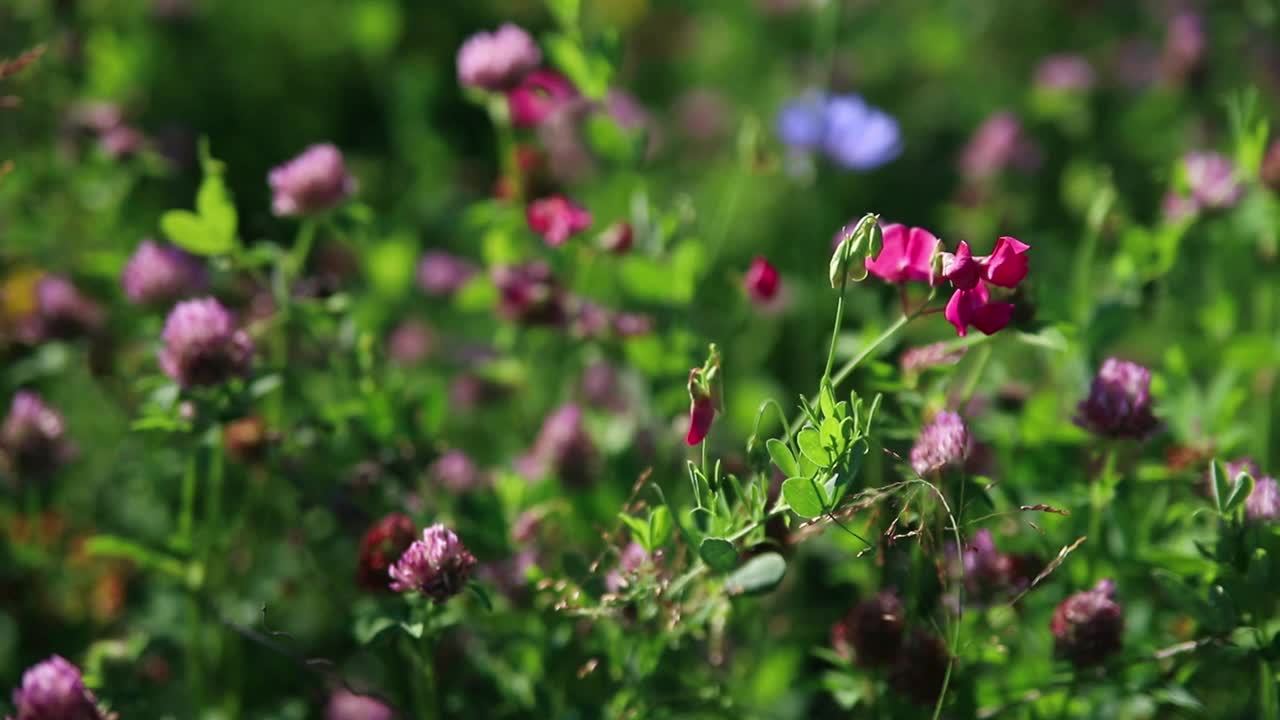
point(33, 438)
point(563, 448)
point(202, 345)
point(315, 181)
point(54, 690)
point(993, 575)
point(853, 134)
point(161, 274)
point(1088, 627)
point(1119, 402)
point(874, 632)
point(441, 273)
point(497, 61)
point(556, 219)
point(945, 442)
point(381, 545)
point(62, 312)
point(438, 565)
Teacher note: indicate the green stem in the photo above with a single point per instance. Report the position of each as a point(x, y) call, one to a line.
point(500, 116)
point(1100, 493)
point(853, 362)
point(835, 332)
point(422, 684)
point(187, 509)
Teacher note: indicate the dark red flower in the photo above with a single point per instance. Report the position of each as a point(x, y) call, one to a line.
point(1088, 627)
point(762, 281)
point(381, 546)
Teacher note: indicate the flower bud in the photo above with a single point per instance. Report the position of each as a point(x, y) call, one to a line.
point(850, 260)
point(1088, 626)
point(381, 545)
point(1119, 402)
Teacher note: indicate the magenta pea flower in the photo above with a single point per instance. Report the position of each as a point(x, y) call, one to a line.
point(906, 256)
point(762, 282)
point(315, 181)
point(971, 303)
point(498, 60)
point(557, 218)
point(539, 95)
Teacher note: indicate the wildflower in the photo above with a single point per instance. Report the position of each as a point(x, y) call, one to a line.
point(1270, 170)
point(315, 181)
point(920, 668)
point(762, 282)
point(437, 566)
point(442, 273)
point(455, 471)
point(942, 443)
point(159, 274)
point(1064, 72)
point(629, 324)
point(410, 343)
point(853, 134)
point(1177, 207)
point(497, 61)
point(1263, 504)
point(538, 96)
point(1119, 402)
point(54, 690)
point(528, 294)
point(704, 397)
point(632, 558)
point(61, 312)
point(346, 705)
point(937, 354)
point(617, 238)
point(380, 547)
point(872, 630)
point(562, 448)
point(1184, 46)
point(905, 256)
point(1211, 177)
point(33, 437)
point(1088, 627)
point(121, 141)
point(971, 304)
point(999, 143)
point(556, 219)
point(202, 345)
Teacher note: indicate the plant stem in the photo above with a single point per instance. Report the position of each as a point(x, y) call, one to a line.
point(187, 509)
point(835, 332)
point(1100, 492)
point(853, 362)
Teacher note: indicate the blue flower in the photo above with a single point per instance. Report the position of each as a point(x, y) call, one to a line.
point(853, 134)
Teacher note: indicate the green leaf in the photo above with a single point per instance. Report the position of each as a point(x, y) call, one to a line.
point(414, 630)
point(827, 401)
point(186, 230)
point(810, 443)
point(832, 437)
point(366, 628)
point(639, 528)
point(213, 204)
point(782, 457)
point(660, 527)
point(591, 73)
point(482, 595)
point(760, 574)
point(804, 496)
point(565, 12)
point(1218, 485)
point(718, 553)
point(113, 546)
point(1241, 489)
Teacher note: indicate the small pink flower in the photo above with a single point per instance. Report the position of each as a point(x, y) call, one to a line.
point(762, 281)
point(556, 218)
point(1006, 266)
point(974, 307)
point(702, 409)
point(907, 255)
point(541, 93)
point(315, 181)
point(497, 61)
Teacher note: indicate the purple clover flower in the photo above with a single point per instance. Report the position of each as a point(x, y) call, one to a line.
point(944, 442)
point(853, 134)
point(1119, 402)
point(1212, 179)
point(33, 437)
point(54, 690)
point(1263, 504)
point(455, 471)
point(1088, 627)
point(159, 274)
point(437, 566)
point(441, 273)
point(1065, 72)
point(562, 448)
point(315, 181)
point(497, 61)
point(202, 345)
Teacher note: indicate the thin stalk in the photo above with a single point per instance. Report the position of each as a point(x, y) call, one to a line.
point(835, 331)
point(500, 116)
point(852, 364)
point(1099, 493)
point(187, 508)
